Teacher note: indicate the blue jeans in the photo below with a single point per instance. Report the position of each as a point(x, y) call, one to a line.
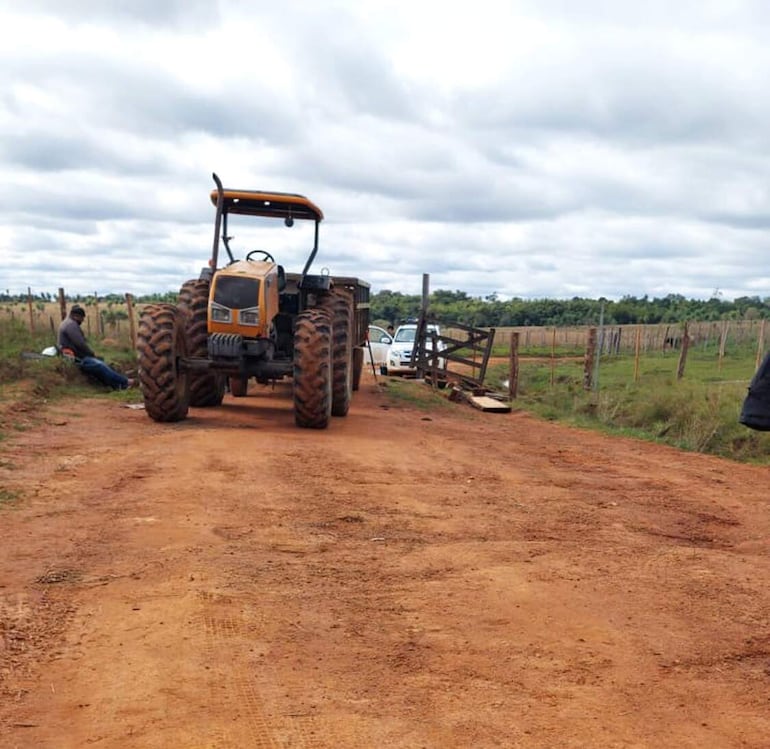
point(97, 368)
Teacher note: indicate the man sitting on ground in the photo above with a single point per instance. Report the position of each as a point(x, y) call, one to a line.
point(73, 343)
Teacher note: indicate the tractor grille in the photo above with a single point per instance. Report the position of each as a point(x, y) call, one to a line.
point(227, 345)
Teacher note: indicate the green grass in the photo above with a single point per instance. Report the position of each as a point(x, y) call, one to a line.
point(413, 393)
point(39, 381)
point(698, 412)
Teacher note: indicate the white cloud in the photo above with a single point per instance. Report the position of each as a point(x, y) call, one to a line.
point(534, 149)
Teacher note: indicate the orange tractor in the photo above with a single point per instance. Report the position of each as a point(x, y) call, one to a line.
point(247, 318)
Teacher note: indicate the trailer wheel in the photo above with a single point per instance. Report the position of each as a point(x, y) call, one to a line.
point(339, 304)
point(160, 343)
point(312, 369)
point(358, 366)
point(239, 386)
point(206, 389)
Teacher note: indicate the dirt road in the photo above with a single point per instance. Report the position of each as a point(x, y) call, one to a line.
point(404, 579)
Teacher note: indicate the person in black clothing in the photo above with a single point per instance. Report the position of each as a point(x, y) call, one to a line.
point(73, 343)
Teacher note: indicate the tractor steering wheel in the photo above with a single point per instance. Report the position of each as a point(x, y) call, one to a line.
point(268, 258)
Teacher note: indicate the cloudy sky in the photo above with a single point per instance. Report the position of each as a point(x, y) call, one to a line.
point(530, 148)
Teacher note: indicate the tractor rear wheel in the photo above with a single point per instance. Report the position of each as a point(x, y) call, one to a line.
point(312, 369)
point(206, 389)
point(339, 305)
point(161, 342)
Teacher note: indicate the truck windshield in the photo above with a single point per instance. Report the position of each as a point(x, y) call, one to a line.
point(405, 335)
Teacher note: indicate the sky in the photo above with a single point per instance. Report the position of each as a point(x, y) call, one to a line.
point(518, 148)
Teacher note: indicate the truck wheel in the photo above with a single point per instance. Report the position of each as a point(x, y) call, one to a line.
point(206, 389)
point(312, 369)
point(239, 386)
point(160, 343)
point(339, 305)
point(358, 366)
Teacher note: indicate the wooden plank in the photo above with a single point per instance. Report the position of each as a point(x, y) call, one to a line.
point(485, 403)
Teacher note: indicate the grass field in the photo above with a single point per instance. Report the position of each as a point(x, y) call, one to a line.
point(697, 412)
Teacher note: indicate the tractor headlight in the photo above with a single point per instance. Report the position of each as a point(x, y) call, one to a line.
point(249, 316)
point(220, 314)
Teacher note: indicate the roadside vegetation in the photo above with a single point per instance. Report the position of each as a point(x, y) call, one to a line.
point(698, 412)
point(27, 383)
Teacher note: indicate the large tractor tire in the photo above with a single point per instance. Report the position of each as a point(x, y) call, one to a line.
point(312, 369)
point(358, 366)
point(206, 388)
point(239, 386)
point(339, 305)
point(161, 341)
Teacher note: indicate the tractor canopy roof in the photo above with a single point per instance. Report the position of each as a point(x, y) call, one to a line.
point(270, 204)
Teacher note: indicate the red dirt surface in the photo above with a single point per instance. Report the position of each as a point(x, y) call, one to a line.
point(406, 578)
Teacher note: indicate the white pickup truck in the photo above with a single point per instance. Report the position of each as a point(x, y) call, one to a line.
point(399, 359)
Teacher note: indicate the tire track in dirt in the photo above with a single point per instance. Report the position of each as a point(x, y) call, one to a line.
point(222, 629)
point(268, 707)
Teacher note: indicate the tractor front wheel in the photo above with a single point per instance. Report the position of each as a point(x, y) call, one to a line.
point(312, 369)
point(206, 389)
point(161, 342)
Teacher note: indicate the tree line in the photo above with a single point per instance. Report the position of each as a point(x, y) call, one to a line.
point(492, 312)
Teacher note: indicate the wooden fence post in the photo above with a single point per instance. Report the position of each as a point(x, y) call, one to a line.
point(99, 321)
point(553, 356)
point(588, 366)
point(637, 346)
point(131, 321)
point(683, 353)
point(62, 304)
point(29, 308)
point(513, 375)
point(598, 358)
point(723, 342)
point(760, 343)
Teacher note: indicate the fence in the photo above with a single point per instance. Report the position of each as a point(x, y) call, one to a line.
point(104, 318)
point(623, 338)
point(744, 337)
point(611, 339)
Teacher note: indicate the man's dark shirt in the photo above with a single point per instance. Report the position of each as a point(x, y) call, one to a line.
point(71, 336)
